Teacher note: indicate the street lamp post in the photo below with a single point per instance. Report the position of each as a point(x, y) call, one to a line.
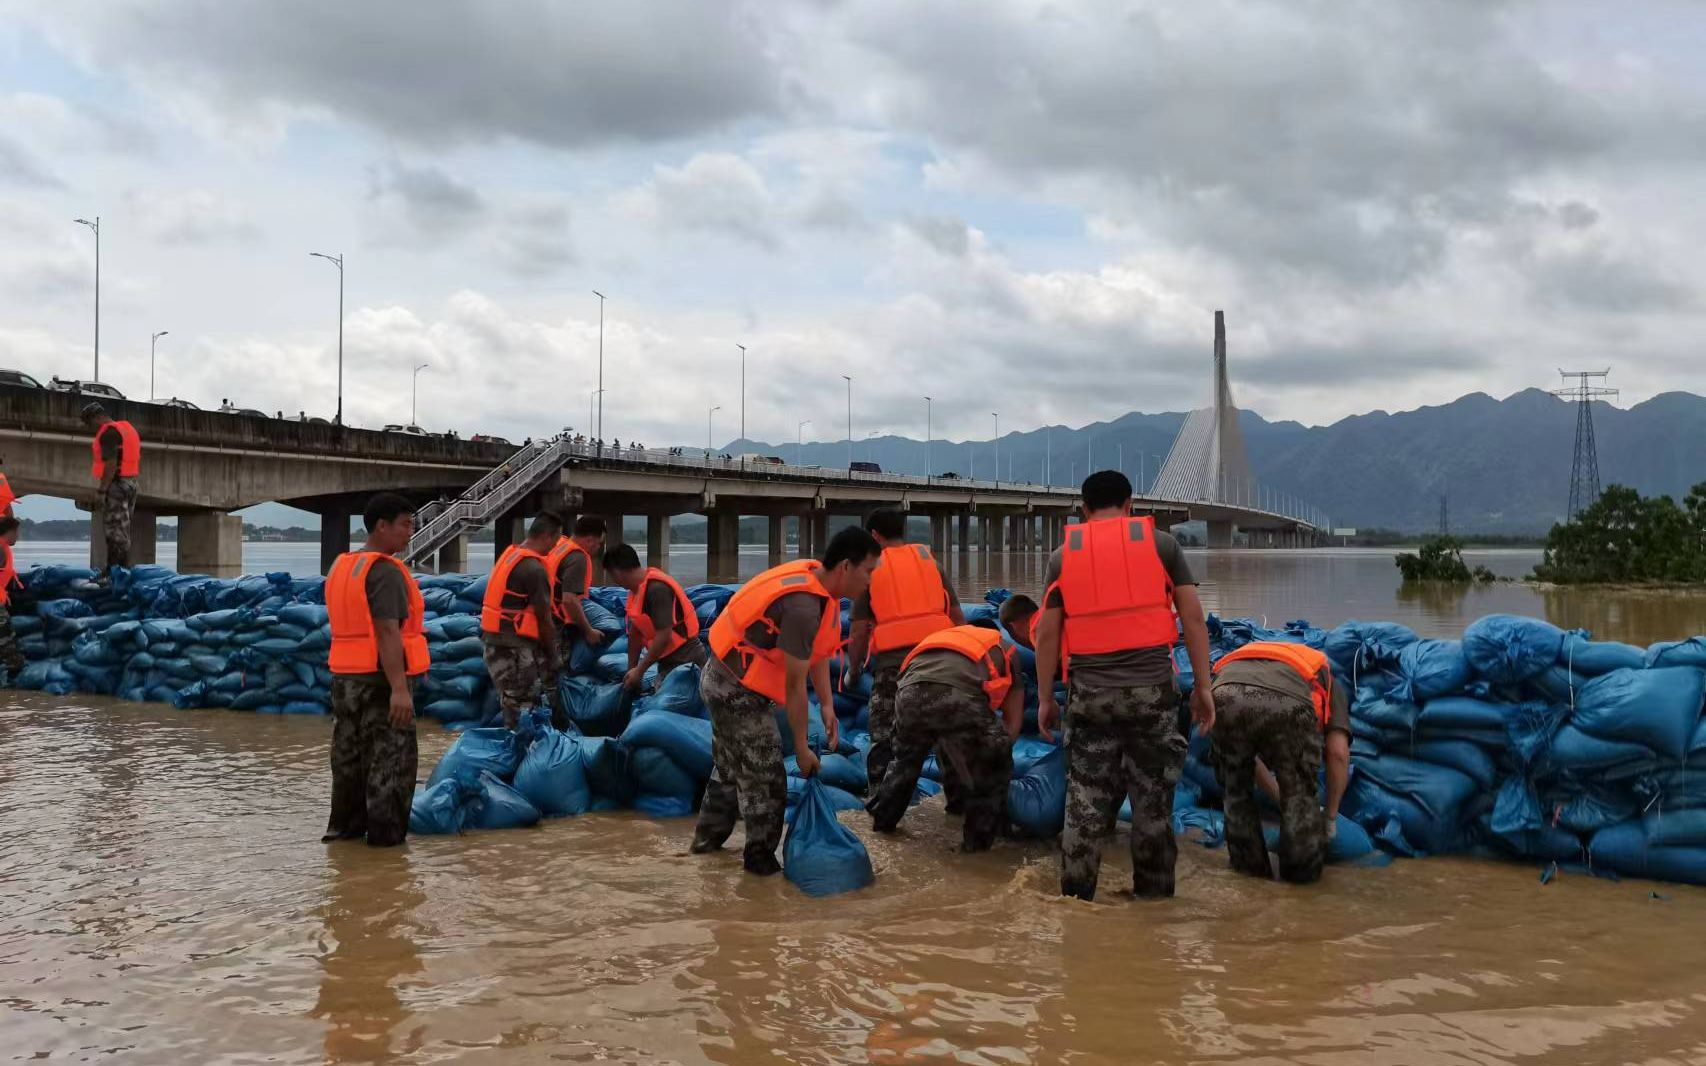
point(414, 391)
point(708, 415)
point(1048, 455)
point(598, 429)
point(849, 381)
point(95, 226)
point(997, 418)
point(800, 443)
point(929, 467)
point(742, 348)
point(152, 341)
point(338, 261)
point(592, 394)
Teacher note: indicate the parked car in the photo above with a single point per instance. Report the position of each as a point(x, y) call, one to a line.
point(864, 468)
point(96, 389)
point(487, 438)
point(183, 405)
point(754, 459)
point(947, 475)
point(18, 378)
point(409, 431)
point(251, 412)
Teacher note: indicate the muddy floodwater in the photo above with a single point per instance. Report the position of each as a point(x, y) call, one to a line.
point(164, 899)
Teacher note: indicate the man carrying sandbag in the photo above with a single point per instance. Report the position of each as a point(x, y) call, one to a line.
point(379, 647)
point(956, 694)
point(782, 627)
point(1117, 592)
point(518, 635)
point(662, 625)
point(909, 599)
point(1277, 702)
point(569, 567)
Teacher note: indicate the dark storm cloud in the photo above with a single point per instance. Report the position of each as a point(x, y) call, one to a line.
point(429, 201)
point(1393, 361)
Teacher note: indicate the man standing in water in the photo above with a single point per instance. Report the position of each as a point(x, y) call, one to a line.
point(662, 626)
point(515, 621)
point(909, 599)
point(118, 461)
point(1117, 593)
point(779, 629)
point(1278, 702)
point(569, 566)
point(379, 647)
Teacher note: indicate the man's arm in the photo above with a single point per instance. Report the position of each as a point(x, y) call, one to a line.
point(798, 710)
point(1338, 773)
point(577, 617)
point(858, 649)
point(541, 603)
point(1048, 668)
point(388, 634)
point(826, 703)
point(1195, 626)
point(110, 458)
point(1013, 710)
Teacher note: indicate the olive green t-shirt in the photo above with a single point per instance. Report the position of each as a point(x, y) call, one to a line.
point(387, 601)
point(1281, 678)
point(573, 574)
point(944, 666)
point(1134, 666)
point(527, 580)
point(862, 612)
point(796, 617)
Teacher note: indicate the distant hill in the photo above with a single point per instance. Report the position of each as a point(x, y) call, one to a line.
point(1505, 464)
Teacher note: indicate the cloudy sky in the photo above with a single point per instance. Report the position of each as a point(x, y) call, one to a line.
point(1030, 207)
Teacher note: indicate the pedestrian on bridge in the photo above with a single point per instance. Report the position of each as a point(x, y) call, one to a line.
point(118, 460)
point(910, 598)
point(515, 621)
point(379, 649)
point(779, 629)
point(663, 628)
point(569, 567)
point(1117, 593)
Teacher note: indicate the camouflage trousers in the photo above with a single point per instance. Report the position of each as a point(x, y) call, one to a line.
point(10, 657)
point(118, 504)
point(885, 682)
point(373, 765)
point(692, 653)
point(973, 748)
point(747, 778)
point(1121, 743)
point(519, 673)
point(1252, 723)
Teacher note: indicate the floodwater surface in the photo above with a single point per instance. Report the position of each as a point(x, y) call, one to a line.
point(164, 899)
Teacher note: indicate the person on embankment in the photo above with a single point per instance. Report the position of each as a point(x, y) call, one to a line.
point(516, 628)
point(569, 566)
point(956, 694)
point(780, 629)
point(662, 625)
point(1277, 702)
point(10, 657)
point(910, 598)
point(1118, 591)
point(118, 461)
point(379, 648)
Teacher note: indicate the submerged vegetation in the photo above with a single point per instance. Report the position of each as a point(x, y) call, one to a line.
point(1627, 538)
point(1440, 559)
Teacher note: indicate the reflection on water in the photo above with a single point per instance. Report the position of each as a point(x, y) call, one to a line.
point(164, 899)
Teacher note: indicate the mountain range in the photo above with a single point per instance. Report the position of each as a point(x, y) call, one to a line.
point(1503, 465)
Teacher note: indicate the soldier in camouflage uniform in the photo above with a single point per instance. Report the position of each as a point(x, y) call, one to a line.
point(10, 657)
point(373, 765)
point(942, 703)
point(1268, 714)
point(746, 777)
point(518, 632)
point(518, 673)
point(117, 491)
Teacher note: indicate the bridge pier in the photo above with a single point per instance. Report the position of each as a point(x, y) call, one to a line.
point(144, 538)
point(722, 545)
point(820, 533)
point(964, 524)
point(334, 535)
point(453, 557)
point(939, 534)
point(777, 540)
point(508, 529)
point(211, 542)
point(1220, 534)
point(657, 541)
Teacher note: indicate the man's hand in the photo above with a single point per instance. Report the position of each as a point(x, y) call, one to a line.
point(848, 677)
point(402, 709)
point(1202, 708)
point(807, 759)
point(631, 680)
point(592, 636)
point(1332, 826)
point(1048, 715)
point(832, 730)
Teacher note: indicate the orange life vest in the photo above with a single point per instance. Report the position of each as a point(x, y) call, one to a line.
point(642, 622)
point(8, 573)
point(979, 645)
point(129, 451)
point(554, 566)
point(501, 605)
point(762, 669)
point(1116, 592)
point(7, 496)
point(1308, 663)
point(908, 599)
point(355, 649)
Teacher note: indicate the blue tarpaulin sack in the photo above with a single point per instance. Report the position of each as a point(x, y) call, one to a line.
point(839, 799)
point(552, 776)
point(475, 752)
point(1354, 645)
point(1036, 799)
point(821, 855)
point(1625, 848)
point(836, 771)
point(440, 808)
point(687, 741)
point(1659, 707)
point(598, 710)
point(1430, 668)
point(1350, 843)
point(1690, 652)
point(678, 694)
point(1591, 658)
point(608, 774)
point(500, 807)
point(1508, 649)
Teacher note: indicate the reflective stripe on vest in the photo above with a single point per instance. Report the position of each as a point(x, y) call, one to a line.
point(642, 622)
point(1306, 661)
point(355, 649)
point(554, 566)
point(502, 605)
point(978, 644)
point(129, 451)
point(761, 669)
point(1115, 589)
point(8, 573)
point(908, 600)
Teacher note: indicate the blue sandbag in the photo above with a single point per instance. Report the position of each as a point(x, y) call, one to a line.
point(552, 776)
point(837, 771)
point(1508, 649)
point(1678, 828)
point(1573, 750)
point(500, 807)
point(460, 626)
point(1659, 707)
point(440, 808)
point(1625, 848)
point(1455, 714)
point(462, 648)
point(1690, 652)
point(820, 854)
point(610, 623)
point(1026, 752)
point(478, 751)
point(663, 806)
point(656, 774)
point(1354, 645)
point(1350, 843)
point(251, 699)
point(1468, 759)
point(1431, 668)
point(64, 608)
point(686, 740)
point(1555, 684)
point(678, 694)
point(839, 799)
point(608, 667)
point(1036, 800)
point(450, 710)
point(608, 774)
point(1590, 658)
point(304, 707)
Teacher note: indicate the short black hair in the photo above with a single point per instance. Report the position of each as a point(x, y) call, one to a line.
point(850, 545)
point(621, 557)
point(385, 507)
point(590, 525)
point(8, 524)
point(888, 523)
point(1105, 489)
point(1017, 606)
point(545, 523)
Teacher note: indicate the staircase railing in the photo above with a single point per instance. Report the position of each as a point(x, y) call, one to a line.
point(440, 523)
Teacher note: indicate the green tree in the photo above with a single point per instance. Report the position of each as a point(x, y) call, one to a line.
point(1440, 559)
point(1627, 538)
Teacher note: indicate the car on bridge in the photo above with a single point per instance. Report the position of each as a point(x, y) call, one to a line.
point(860, 467)
point(182, 405)
point(85, 388)
point(947, 475)
point(487, 438)
point(19, 379)
point(408, 431)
